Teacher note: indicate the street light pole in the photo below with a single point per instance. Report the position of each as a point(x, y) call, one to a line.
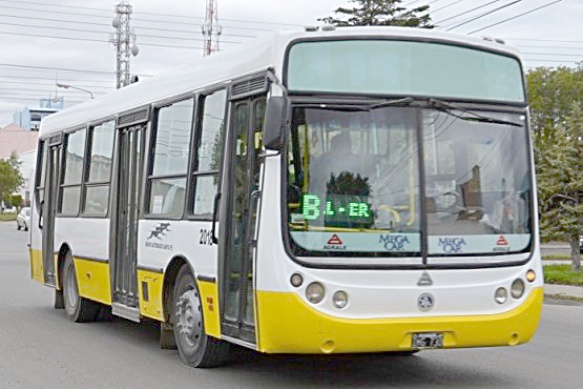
point(67, 86)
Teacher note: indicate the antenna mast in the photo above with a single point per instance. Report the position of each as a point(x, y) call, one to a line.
point(211, 29)
point(124, 41)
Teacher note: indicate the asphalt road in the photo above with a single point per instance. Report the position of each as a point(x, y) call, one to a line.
point(40, 348)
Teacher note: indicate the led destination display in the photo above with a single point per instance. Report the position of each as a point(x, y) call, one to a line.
point(337, 210)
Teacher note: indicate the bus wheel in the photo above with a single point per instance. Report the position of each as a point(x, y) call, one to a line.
point(77, 308)
point(194, 346)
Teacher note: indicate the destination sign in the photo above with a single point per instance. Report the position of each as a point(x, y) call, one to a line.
point(338, 210)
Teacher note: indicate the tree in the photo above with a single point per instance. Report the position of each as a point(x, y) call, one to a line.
point(10, 178)
point(560, 177)
point(380, 13)
point(555, 97)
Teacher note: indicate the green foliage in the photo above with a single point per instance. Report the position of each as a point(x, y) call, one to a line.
point(16, 200)
point(8, 217)
point(380, 13)
point(10, 178)
point(557, 118)
point(562, 275)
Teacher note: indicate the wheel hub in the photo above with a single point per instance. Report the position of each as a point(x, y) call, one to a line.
point(189, 318)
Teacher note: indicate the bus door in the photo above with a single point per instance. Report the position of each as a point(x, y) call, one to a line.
point(52, 159)
point(242, 206)
point(130, 157)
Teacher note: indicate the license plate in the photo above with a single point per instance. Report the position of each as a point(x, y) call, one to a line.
point(427, 340)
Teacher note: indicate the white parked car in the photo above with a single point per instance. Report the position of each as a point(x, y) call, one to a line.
point(23, 219)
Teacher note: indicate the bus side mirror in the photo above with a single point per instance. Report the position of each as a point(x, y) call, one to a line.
point(275, 122)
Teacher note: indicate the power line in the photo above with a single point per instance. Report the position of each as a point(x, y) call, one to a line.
point(54, 68)
point(140, 13)
point(468, 11)
point(93, 40)
point(52, 83)
point(20, 17)
point(484, 14)
point(446, 6)
point(516, 17)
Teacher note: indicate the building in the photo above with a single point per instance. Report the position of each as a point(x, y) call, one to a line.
point(15, 139)
point(30, 118)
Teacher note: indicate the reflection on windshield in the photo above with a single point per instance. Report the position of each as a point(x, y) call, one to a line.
point(353, 181)
point(478, 184)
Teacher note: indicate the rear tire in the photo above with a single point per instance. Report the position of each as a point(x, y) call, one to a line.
point(77, 308)
point(17, 226)
point(25, 227)
point(196, 349)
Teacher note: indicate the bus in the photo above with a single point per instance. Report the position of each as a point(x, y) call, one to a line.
point(321, 191)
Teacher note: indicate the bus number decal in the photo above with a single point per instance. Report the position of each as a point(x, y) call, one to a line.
point(205, 238)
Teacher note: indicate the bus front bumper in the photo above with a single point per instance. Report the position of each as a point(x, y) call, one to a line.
point(288, 325)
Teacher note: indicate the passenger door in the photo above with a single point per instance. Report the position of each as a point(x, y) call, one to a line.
point(53, 152)
point(130, 170)
point(237, 242)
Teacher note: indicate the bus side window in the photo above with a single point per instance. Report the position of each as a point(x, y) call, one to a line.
point(210, 140)
point(167, 180)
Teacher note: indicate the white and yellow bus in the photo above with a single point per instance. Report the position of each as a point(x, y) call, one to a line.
point(335, 191)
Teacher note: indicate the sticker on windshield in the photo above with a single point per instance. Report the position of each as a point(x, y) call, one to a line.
point(478, 244)
point(394, 242)
point(357, 241)
point(335, 243)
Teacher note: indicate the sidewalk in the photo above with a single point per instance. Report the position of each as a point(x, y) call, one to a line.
point(564, 293)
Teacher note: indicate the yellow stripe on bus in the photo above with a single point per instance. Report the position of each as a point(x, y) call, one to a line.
point(289, 325)
point(209, 295)
point(151, 305)
point(93, 280)
point(36, 265)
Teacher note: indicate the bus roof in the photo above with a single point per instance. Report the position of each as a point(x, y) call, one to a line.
point(221, 67)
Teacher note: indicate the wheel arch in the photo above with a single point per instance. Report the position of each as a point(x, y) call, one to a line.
point(63, 250)
point(170, 274)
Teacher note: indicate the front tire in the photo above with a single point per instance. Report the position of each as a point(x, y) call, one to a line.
point(77, 308)
point(196, 349)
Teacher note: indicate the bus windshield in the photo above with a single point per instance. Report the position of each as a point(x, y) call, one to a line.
point(354, 182)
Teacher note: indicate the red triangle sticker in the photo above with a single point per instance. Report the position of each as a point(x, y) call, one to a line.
point(335, 240)
point(502, 241)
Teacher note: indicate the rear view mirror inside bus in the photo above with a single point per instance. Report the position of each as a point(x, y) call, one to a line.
point(275, 122)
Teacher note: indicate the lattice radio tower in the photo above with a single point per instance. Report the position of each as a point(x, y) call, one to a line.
point(125, 42)
point(211, 29)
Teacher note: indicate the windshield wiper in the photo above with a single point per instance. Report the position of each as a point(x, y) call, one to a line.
point(475, 117)
point(358, 107)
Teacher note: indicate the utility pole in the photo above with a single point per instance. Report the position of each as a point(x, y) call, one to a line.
point(211, 29)
point(122, 38)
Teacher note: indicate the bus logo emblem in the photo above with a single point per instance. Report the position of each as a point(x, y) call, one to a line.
point(159, 231)
point(502, 241)
point(335, 240)
point(425, 302)
point(425, 279)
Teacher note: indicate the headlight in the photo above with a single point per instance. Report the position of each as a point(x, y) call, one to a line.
point(340, 299)
point(530, 276)
point(517, 288)
point(297, 280)
point(315, 292)
point(501, 295)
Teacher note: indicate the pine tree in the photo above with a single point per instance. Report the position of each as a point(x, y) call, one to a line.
point(380, 13)
point(560, 178)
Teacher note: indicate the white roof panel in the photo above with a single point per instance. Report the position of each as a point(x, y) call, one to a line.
point(255, 56)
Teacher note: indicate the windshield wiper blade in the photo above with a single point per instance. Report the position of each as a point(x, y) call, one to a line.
point(357, 107)
point(388, 103)
point(475, 117)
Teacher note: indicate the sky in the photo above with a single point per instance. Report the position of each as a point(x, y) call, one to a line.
point(47, 41)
